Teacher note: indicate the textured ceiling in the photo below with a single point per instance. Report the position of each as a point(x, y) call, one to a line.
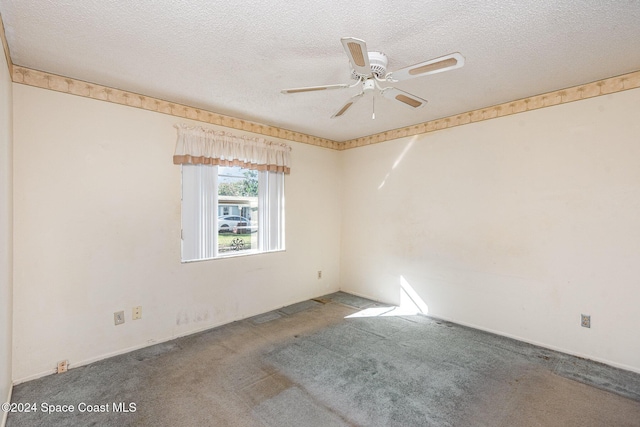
point(233, 58)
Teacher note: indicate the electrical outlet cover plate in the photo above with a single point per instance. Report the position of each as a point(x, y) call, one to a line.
point(137, 313)
point(62, 366)
point(585, 320)
point(118, 318)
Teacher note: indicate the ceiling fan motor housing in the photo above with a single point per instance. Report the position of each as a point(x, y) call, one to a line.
point(378, 62)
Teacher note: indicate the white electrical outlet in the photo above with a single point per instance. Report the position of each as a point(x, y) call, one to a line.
point(585, 320)
point(137, 313)
point(118, 318)
point(319, 274)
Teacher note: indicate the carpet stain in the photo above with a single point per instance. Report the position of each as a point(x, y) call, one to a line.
point(264, 389)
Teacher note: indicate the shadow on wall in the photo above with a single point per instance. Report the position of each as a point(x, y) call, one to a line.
point(410, 304)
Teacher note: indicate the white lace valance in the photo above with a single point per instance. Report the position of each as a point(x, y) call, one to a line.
point(197, 145)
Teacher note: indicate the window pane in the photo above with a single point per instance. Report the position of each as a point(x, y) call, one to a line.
point(199, 184)
point(230, 210)
point(271, 211)
point(237, 210)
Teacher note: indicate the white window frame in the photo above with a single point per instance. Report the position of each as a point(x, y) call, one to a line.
point(199, 235)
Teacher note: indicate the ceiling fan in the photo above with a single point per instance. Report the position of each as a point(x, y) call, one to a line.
point(369, 69)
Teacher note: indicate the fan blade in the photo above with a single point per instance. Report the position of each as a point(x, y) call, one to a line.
point(444, 63)
point(356, 50)
point(404, 98)
point(314, 88)
point(348, 105)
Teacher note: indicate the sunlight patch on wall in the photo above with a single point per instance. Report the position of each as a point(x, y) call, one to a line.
point(411, 297)
point(398, 160)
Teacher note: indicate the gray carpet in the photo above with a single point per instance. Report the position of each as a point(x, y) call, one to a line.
point(308, 365)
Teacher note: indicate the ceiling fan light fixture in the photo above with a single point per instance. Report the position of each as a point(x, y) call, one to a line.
point(368, 85)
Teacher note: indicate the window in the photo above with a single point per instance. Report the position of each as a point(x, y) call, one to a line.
point(238, 191)
point(229, 210)
point(232, 193)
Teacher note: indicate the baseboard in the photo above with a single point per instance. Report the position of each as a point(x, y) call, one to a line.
point(212, 326)
point(358, 294)
point(3, 422)
point(543, 345)
point(149, 343)
point(515, 337)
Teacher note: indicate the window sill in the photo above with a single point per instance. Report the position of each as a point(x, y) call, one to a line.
point(232, 255)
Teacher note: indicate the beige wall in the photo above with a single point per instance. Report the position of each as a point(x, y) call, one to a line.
point(515, 225)
point(97, 230)
point(6, 209)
